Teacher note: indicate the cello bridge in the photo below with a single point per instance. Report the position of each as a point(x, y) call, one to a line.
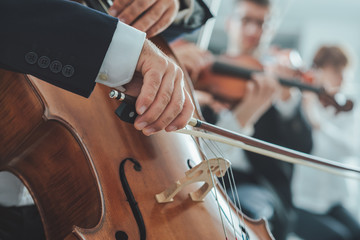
point(203, 172)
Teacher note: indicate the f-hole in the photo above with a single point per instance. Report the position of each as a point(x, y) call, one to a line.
point(120, 235)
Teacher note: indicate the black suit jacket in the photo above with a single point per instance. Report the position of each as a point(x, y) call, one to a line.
point(294, 133)
point(61, 42)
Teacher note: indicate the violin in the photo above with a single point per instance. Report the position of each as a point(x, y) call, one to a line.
point(222, 80)
point(224, 86)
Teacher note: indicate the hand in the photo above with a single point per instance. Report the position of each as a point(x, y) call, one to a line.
point(193, 58)
point(284, 71)
point(259, 96)
point(163, 102)
point(310, 103)
point(150, 16)
point(205, 98)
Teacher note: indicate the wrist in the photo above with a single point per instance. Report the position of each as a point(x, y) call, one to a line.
point(244, 117)
point(246, 122)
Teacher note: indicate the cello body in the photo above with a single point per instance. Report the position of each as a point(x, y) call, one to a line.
point(73, 155)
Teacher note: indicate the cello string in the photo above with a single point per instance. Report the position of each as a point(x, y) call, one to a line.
point(223, 182)
point(227, 196)
point(234, 192)
point(215, 190)
point(232, 185)
point(203, 42)
point(216, 197)
point(345, 170)
point(237, 198)
point(243, 226)
point(225, 189)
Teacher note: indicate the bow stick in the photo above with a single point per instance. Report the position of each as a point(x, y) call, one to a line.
point(245, 142)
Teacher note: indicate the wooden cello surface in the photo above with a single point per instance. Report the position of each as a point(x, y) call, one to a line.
point(71, 153)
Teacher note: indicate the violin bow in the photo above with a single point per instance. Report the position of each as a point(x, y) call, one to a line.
point(268, 149)
point(127, 112)
point(232, 138)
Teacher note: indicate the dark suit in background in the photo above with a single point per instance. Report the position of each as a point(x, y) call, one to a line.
point(275, 176)
point(265, 191)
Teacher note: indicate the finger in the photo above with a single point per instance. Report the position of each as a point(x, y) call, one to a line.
point(183, 118)
point(250, 93)
point(210, 57)
point(196, 70)
point(274, 85)
point(161, 24)
point(134, 10)
point(118, 6)
point(250, 88)
point(268, 86)
point(194, 75)
point(167, 17)
point(154, 16)
point(151, 84)
point(161, 101)
point(194, 66)
point(258, 80)
point(172, 110)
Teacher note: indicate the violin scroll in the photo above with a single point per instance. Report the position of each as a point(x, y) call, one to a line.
point(338, 101)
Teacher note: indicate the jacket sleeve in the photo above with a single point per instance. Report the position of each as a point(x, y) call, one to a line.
point(196, 16)
point(58, 41)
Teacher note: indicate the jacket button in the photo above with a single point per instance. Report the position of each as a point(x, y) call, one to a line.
point(31, 58)
point(55, 66)
point(68, 70)
point(44, 62)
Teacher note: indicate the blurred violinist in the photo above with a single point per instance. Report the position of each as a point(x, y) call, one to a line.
point(333, 138)
point(265, 111)
point(260, 92)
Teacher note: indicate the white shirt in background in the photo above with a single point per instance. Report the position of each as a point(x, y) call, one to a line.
point(316, 190)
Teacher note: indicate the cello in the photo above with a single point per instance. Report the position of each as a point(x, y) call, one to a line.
point(93, 176)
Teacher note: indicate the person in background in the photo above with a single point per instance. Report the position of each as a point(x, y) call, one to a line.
point(323, 208)
point(267, 111)
point(252, 15)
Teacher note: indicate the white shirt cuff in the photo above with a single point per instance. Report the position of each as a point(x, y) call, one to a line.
point(120, 61)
